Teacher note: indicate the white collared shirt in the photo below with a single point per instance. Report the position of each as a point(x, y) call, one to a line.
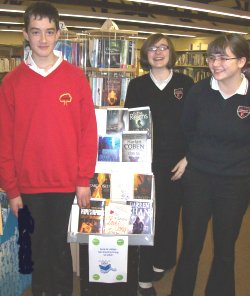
point(32, 65)
point(162, 83)
point(242, 90)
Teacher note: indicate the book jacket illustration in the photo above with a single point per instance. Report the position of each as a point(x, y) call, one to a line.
point(100, 186)
point(142, 186)
point(109, 148)
point(134, 146)
point(91, 219)
point(141, 219)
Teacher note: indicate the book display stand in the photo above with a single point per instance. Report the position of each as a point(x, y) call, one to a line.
point(122, 189)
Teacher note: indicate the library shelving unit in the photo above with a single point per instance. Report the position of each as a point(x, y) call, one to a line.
point(192, 63)
point(10, 57)
point(109, 60)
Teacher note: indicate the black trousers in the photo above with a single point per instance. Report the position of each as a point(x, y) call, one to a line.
point(53, 272)
point(168, 195)
point(225, 199)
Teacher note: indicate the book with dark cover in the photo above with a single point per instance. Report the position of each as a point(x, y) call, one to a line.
point(100, 186)
point(91, 219)
point(139, 119)
point(116, 120)
point(141, 218)
point(109, 148)
point(143, 186)
point(112, 53)
point(111, 91)
point(134, 146)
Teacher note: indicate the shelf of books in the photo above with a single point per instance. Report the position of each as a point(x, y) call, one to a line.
point(192, 63)
point(122, 189)
point(109, 60)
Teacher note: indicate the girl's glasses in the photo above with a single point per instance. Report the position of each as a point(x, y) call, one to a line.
point(221, 59)
point(160, 48)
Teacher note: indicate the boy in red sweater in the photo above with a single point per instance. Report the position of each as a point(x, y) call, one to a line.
point(49, 146)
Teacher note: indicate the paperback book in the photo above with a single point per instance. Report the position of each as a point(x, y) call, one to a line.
point(141, 218)
point(140, 120)
point(143, 186)
point(111, 91)
point(109, 148)
point(134, 146)
point(91, 219)
point(117, 218)
point(100, 186)
point(116, 120)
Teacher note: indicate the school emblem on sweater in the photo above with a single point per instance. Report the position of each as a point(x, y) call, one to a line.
point(243, 111)
point(65, 99)
point(178, 93)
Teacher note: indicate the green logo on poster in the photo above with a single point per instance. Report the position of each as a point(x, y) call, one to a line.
point(96, 277)
point(119, 277)
point(95, 241)
point(120, 242)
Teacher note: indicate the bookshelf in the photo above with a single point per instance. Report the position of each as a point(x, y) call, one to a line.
point(192, 63)
point(10, 57)
point(109, 60)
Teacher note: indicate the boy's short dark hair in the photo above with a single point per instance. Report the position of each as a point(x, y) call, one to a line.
point(236, 42)
point(152, 40)
point(41, 10)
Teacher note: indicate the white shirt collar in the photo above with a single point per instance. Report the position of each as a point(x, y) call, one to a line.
point(161, 84)
point(32, 65)
point(242, 90)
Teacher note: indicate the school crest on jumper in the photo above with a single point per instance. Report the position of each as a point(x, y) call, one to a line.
point(243, 111)
point(178, 93)
point(65, 99)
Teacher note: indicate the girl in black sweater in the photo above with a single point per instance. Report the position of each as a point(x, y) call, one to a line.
point(164, 92)
point(216, 121)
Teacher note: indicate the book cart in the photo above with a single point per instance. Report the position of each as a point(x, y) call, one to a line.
point(124, 156)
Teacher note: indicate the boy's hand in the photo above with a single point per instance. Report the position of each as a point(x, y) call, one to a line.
point(83, 195)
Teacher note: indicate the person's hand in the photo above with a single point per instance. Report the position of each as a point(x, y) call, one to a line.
point(179, 169)
point(83, 195)
point(16, 204)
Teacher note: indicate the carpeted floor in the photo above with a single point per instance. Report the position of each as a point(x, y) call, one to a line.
point(242, 266)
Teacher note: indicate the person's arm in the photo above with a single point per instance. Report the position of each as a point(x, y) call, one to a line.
point(8, 179)
point(16, 204)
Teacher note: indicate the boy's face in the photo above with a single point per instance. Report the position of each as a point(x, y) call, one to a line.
point(42, 36)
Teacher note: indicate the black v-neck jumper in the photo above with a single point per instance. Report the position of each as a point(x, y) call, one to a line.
point(166, 105)
point(217, 130)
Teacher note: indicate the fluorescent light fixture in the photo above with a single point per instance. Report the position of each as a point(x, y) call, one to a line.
point(11, 30)
point(138, 20)
point(191, 7)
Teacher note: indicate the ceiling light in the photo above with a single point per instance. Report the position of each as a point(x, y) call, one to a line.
point(200, 7)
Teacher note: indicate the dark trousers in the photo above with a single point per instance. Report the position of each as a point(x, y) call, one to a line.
point(53, 272)
point(225, 199)
point(168, 196)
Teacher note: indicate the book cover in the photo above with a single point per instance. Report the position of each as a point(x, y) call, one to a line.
point(91, 219)
point(117, 217)
point(121, 186)
point(140, 120)
point(134, 146)
point(112, 53)
point(117, 120)
point(141, 218)
point(109, 148)
point(143, 186)
point(111, 91)
point(100, 186)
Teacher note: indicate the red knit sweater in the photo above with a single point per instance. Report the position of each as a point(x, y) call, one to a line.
point(47, 130)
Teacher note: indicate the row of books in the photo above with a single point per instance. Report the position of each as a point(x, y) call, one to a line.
point(110, 53)
point(134, 217)
point(121, 203)
point(7, 64)
point(124, 134)
point(190, 58)
point(196, 74)
point(109, 90)
point(72, 51)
